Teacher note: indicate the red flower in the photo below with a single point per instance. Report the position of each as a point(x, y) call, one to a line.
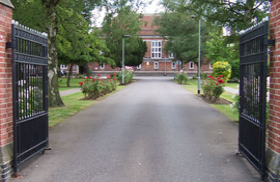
point(90, 77)
point(217, 84)
point(114, 79)
point(211, 77)
point(93, 79)
point(110, 80)
point(81, 83)
point(98, 75)
point(86, 77)
point(221, 75)
point(218, 78)
point(108, 76)
point(114, 74)
point(85, 81)
point(225, 78)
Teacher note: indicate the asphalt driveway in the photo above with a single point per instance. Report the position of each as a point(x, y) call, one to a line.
point(151, 131)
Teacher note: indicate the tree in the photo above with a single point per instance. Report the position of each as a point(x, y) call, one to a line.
point(122, 19)
point(46, 15)
point(135, 58)
point(219, 49)
point(181, 32)
point(236, 15)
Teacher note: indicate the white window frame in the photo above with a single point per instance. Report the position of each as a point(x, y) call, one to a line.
point(171, 55)
point(102, 66)
point(139, 67)
point(173, 65)
point(156, 65)
point(210, 66)
point(156, 49)
point(63, 66)
point(191, 65)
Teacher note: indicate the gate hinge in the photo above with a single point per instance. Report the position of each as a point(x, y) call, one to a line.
point(271, 42)
point(10, 45)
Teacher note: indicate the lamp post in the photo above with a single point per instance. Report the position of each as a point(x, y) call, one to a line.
point(199, 50)
point(123, 37)
point(199, 59)
point(165, 65)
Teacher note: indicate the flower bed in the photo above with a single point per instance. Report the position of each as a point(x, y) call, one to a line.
point(94, 87)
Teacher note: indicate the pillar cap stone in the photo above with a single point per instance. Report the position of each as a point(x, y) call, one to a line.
point(7, 3)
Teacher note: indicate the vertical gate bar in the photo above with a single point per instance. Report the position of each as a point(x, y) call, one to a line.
point(15, 95)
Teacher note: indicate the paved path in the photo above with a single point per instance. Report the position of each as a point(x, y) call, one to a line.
point(70, 91)
point(151, 131)
point(231, 90)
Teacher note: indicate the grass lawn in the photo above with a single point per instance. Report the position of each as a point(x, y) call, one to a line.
point(73, 104)
point(74, 83)
point(231, 113)
point(233, 85)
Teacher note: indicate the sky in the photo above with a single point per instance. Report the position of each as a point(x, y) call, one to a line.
point(98, 16)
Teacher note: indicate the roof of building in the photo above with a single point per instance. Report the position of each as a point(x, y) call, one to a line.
point(148, 26)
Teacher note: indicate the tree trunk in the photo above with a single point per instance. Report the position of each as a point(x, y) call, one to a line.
point(69, 74)
point(52, 28)
point(87, 70)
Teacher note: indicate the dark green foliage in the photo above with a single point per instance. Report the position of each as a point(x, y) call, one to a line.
point(182, 32)
point(124, 21)
point(235, 72)
point(136, 56)
point(236, 15)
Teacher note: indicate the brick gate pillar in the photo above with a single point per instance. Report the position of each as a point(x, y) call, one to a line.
point(273, 137)
point(6, 91)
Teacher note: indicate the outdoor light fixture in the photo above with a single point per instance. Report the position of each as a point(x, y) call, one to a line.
point(199, 50)
point(123, 37)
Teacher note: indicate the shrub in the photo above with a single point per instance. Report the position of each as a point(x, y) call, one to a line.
point(181, 78)
point(213, 87)
point(207, 88)
point(96, 87)
point(128, 75)
point(222, 68)
point(234, 70)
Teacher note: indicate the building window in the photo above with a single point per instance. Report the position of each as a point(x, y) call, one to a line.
point(156, 65)
point(63, 66)
point(171, 55)
point(173, 65)
point(210, 66)
point(102, 66)
point(191, 65)
point(156, 49)
point(139, 67)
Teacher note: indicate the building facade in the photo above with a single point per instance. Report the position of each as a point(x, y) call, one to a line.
point(156, 61)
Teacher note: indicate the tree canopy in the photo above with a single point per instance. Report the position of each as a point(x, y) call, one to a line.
point(123, 20)
point(68, 26)
point(181, 30)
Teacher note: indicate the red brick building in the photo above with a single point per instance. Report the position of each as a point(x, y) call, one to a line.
point(156, 61)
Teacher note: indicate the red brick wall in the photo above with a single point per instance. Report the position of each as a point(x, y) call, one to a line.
point(274, 108)
point(6, 101)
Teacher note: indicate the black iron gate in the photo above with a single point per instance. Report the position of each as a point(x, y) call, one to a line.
point(30, 72)
point(252, 113)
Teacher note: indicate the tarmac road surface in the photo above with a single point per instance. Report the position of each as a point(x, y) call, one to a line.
point(151, 131)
